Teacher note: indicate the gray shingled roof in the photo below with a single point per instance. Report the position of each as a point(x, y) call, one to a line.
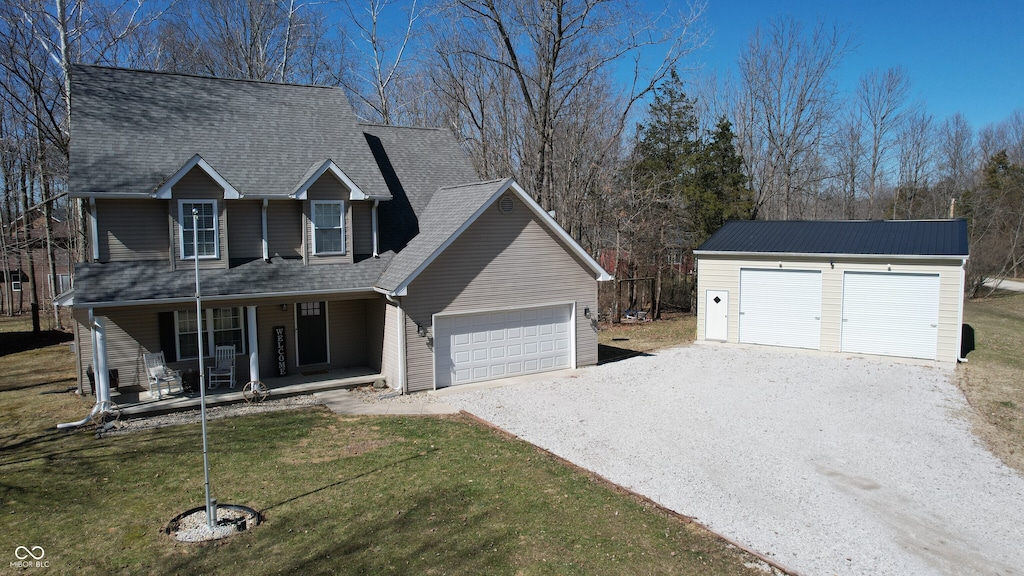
point(867, 237)
point(155, 281)
point(415, 162)
point(132, 130)
point(448, 210)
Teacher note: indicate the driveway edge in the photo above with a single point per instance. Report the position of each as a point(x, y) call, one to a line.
point(622, 489)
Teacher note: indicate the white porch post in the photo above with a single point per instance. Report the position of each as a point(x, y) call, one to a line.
point(254, 350)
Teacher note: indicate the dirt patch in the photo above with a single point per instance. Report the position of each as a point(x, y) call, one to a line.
point(997, 399)
point(328, 443)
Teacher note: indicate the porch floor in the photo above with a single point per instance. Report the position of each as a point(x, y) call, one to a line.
point(136, 401)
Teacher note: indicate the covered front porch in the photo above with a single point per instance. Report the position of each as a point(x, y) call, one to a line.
point(136, 400)
point(292, 345)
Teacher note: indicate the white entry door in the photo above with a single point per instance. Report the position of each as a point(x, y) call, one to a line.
point(490, 345)
point(780, 307)
point(716, 315)
point(891, 314)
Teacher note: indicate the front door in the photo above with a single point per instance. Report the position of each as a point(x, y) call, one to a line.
point(716, 315)
point(311, 333)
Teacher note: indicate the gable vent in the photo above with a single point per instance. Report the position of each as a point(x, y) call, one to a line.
point(506, 204)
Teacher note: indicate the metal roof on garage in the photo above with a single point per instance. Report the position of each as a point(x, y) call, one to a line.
point(946, 238)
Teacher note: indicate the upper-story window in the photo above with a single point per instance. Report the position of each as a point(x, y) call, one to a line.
point(209, 247)
point(328, 226)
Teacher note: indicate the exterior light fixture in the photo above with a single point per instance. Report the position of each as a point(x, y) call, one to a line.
point(421, 330)
point(586, 312)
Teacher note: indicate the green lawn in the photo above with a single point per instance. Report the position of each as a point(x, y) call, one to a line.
point(993, 378)
point(340, 496)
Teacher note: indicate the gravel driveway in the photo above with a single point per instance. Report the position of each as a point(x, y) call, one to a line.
point(828, 464)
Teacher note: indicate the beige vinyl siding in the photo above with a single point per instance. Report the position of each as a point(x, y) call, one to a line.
point(362, 228)
point(501, 261)
point(284, 228)
point(132, 229)
point(723, 273)
point(389, 361)
point(346, 324)
point(374, 312)
point(130, 334)
point(245, 228)
point(196, 185)
point(327, 187)
point(83, 341)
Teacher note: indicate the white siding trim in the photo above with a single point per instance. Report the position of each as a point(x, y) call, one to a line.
point(826, 256)
point(94, 233)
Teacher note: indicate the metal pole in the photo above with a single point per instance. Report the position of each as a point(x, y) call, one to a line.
point(211, 512)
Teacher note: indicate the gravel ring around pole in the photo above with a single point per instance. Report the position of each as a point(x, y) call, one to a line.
point(190, 526)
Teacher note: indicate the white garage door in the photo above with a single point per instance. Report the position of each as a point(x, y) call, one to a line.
point(891, 314)
point(490, 345)
point(780, 307)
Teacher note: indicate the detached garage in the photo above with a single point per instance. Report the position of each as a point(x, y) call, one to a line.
point(891, 288)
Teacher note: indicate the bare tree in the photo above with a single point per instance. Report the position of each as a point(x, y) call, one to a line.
point(375, 81)
point(542, 56)
point(881, 97)
point(786, 99)
point(915, 152)
point(957, 167)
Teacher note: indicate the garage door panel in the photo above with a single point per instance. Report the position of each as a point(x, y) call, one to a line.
point(891, 314)
point(497, 344)
point(780, 308)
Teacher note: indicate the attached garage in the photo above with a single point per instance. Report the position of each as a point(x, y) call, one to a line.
point(890, 288)
point(490, 345)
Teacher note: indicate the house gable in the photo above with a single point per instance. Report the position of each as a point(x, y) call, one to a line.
point(499, 261)
point(451, 212)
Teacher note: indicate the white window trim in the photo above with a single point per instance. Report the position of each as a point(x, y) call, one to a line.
point(15, 285)
point(181, 228)
point(312, 222)
point(209, 345)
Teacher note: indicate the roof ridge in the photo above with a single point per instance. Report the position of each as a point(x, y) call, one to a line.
point(379, 125)
point(477, 183)
point(206, 77)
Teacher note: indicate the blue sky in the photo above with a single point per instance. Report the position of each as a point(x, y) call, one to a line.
point(961, 55)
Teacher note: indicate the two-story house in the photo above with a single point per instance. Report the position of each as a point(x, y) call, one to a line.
point(322, 243)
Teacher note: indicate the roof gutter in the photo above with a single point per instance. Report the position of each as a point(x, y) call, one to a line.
point(831, 255)
point(227, 297)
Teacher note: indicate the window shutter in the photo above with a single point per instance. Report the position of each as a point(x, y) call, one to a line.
point(165, 321)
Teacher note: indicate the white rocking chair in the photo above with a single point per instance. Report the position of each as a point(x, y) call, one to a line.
point(160, 375)
point(223, 370)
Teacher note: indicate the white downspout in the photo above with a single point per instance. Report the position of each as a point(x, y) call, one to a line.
point(960, 312)
point(373, 226)
point(401, 343)
point(94, 234)
point(254, 352)
point(266, 243)
point(97, 326)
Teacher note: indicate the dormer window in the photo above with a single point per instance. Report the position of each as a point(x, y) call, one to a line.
point(209, 247)
point(328, 227)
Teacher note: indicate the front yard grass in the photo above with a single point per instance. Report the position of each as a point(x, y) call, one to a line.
point(993, 378)
point(340, 496)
